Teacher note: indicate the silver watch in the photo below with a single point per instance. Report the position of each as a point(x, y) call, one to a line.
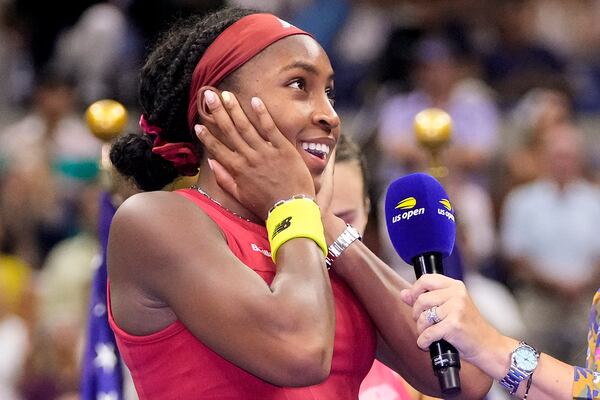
point(340, 244)
point(523, 361)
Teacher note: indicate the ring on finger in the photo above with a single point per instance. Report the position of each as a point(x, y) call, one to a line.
point(432, 316)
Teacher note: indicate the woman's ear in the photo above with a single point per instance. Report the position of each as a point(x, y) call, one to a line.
point(203, 110)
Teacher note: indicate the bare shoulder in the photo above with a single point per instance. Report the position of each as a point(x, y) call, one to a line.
point(147, 207)
point(157, 216)
point(154, 236)
point(158, 228)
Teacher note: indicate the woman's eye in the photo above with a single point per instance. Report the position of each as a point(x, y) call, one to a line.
point(298, 84)
point(330, 95)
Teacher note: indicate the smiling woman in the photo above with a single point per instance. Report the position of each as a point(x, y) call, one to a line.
point(221, 290)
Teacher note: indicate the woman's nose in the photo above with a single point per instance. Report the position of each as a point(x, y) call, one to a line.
point(325, 115)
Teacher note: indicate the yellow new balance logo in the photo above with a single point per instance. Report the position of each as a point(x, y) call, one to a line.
point(283, 225)
point(407, 204)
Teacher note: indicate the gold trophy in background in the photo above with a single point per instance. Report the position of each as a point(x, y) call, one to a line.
point(433, 131)
point(107, 119)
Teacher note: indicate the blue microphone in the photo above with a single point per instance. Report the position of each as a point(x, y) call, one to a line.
point(420, 223)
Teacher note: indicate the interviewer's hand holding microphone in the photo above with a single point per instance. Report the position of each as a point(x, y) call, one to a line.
point(448, 322)
point(457, 320)
point(421, 226)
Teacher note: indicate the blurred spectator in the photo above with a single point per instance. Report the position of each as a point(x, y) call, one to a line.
point(551, 239)
point(94, 52)
point(538, 111)
point(42, 22)
point(46, 157)
point(16, 67)
point(64, 281)
point(516, 63)
point(353, 42)
point(553, 22)
point(62, 293)
point(474, 213)
point(63, 288)
point(520, 160)
point(438, 83)
point(15, 281)
point(552, 25)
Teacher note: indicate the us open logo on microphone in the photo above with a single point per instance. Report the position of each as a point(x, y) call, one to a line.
point(409, 204)
point(447, 210)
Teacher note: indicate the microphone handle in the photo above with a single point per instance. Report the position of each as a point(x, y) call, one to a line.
point(444, 357)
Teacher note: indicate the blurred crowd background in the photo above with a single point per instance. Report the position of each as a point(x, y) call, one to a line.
point(520, 78)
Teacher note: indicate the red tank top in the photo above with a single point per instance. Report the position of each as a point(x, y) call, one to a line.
point(173, 364)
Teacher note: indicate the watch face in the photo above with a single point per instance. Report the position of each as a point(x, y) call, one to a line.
point(525, 358)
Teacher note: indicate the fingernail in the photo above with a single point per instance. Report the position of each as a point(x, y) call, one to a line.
point(210, 96)
point(256, 103)
point(198, 129)
point(210, 164)
point(226, 97)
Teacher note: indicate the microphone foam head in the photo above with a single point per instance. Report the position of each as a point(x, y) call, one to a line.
point(419, 217)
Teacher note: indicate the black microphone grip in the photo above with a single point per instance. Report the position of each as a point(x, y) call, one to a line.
point(444, 357)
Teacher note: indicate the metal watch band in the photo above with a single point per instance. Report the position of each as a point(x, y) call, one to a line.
point(516, 375)
point(346, 238)
point(513, 379)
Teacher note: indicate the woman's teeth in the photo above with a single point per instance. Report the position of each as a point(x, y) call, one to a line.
point(317, 149)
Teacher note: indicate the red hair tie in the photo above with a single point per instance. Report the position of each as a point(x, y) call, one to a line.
point(234, 47)
point(183, 155)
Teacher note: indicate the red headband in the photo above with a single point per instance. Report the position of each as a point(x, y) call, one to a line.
point(233, 48)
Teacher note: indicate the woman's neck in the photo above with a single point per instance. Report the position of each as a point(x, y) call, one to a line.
point(208, 184)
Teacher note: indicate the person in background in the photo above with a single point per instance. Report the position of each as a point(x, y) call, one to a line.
point(439, 82)
point(520, 160)
point(550, 231)
point(351, 202)
point(15, 338)
point(45, 158)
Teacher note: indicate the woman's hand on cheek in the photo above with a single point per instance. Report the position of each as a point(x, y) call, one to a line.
point(255, 164)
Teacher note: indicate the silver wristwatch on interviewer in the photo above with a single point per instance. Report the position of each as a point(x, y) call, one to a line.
point(523, 361)
point(340, 244)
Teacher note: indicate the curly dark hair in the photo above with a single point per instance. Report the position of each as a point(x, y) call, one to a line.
point(165, 81)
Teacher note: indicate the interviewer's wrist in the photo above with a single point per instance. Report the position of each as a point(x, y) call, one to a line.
point(494, 357)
